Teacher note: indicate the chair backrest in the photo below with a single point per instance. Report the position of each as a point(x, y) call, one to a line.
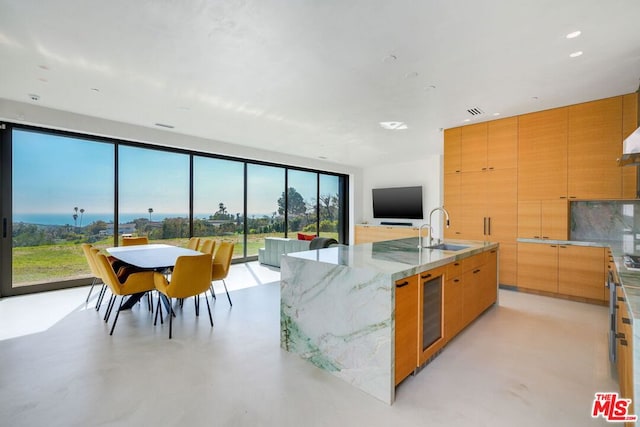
point(108, 275)
point(191, 276)
point(322, 242)
point(222, 261)
point(95, 271)
point(207, 246)
point(193, 243)
point(132, 241)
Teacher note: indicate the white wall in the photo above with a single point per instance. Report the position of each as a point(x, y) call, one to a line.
point(35, 115)
point(426, 172)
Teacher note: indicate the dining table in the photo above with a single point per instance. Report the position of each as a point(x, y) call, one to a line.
point(153, 256)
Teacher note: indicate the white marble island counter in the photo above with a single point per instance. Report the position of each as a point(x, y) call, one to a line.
point(337, 305)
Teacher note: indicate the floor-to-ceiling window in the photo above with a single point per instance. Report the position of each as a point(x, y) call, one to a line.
point(61, 189)
point(62, 196)
point(153, 194)
point(265, 186)
point(302, 206)
point(218, 201)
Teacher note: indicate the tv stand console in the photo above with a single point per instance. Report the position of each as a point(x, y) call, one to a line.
point(366, 233)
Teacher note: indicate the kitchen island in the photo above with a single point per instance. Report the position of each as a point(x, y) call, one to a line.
point(339, 308)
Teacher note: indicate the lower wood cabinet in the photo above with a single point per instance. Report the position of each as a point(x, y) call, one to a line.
point(431, 308)
point(406, 327)
point(577, 271)
point(624, 361)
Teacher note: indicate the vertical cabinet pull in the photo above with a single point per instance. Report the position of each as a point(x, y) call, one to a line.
point(4, 227)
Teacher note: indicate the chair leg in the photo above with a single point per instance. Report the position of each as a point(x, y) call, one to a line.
point(209, 310)
point(103, 291)
point(227, 291)
point(107, 313)
point(170, 317)
point(93, 283)
point(158, 310)
point(196, 304)
point(150, 301)
point(213, 292)
point(117, 313)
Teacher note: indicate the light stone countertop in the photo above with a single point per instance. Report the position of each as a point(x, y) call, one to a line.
point(398, 258)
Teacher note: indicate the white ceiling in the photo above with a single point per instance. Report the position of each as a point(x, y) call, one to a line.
point(315, 78)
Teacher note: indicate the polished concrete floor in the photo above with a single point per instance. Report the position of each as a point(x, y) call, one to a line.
point(531, 361)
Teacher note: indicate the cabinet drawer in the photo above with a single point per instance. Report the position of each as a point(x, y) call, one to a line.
point(454, 269)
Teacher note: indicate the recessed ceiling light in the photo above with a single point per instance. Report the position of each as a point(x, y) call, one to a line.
point(411, 75)
point(389, 58)
point(44, 67)
point(535, 98)
point(95, 89)
point(496, 114)
point(322, 157)
point(576, 54)
point(394, 125)
point(466, 120)
point(430, 87)
point(574, 34)
point(43, 80)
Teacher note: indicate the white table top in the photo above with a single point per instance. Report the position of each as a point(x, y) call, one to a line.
point(152, 255)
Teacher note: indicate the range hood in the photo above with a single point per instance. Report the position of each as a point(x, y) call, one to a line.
point(631, 150)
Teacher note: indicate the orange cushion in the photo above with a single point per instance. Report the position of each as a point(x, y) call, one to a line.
point(306, 236)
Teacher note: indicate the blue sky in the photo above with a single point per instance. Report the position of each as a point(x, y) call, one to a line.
point(53, 174)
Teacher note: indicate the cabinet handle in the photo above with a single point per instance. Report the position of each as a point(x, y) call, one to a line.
point(563, 246)
point(489, 227)
point(545, 237)
point(476, 271)
point(626, 320)
point(553, 246)
point(621, 299)
point(536, 237)
point(4, 227)
point(620, 335)
point(458, 171)
point(563, 197)
point(484, 169)
point(456, 280)
point(493, 251)
point(572, 197)
point(456, 264)
point(623, 342)
point(490, 168)
point(457, 232)
point(401, 285)
point(426, 276)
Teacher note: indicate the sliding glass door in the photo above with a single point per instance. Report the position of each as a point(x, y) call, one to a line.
point(62, 196)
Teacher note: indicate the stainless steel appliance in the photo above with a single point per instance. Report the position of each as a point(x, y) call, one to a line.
point(613, 305)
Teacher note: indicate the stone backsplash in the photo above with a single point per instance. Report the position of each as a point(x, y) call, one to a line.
point(614, 221)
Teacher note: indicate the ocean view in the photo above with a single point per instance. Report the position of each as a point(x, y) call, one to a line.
point(88, 218)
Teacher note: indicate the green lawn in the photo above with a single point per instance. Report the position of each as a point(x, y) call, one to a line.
point(52, 263)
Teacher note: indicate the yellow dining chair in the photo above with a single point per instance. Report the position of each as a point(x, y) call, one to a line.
point(133, 283)
point(191, 276)
point(207, 246)
point(193, 243)
point(220, 267)
point(86, 249)
point(132, 241)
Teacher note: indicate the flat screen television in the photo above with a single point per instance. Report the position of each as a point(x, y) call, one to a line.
point(398, 203)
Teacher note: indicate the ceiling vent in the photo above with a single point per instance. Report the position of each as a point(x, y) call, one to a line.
point(475, 111)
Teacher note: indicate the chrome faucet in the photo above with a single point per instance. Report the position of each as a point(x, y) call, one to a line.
point(420, 234)
point(446, 214)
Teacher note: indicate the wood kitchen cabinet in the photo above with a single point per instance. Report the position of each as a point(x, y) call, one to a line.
point(538, 267)
point(452, 150)
point(406, 327)
point(453, 301)
point(479, 284)
point(572, 270)
point(453, 204)
point(488, 146)
point(629, 124)
point(581, 272)
point(594, 144)
point(543, 219)
point(473, 143)
point(542, 155)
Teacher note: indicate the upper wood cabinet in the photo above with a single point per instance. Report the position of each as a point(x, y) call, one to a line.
point(453, 204)
point(452, 150)
point(473, 146)
point(483, 146)
point(594, 145)
point(502, 143)
point(629, 124)
point(542, 155)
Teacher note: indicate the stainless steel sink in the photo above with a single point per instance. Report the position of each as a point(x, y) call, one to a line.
point(447, 247)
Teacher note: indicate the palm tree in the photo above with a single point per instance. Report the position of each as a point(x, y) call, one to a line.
point(150, 210)
point(75, 217)
point(81, 213)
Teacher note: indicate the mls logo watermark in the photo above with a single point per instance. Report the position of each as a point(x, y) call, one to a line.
point(612, 408)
